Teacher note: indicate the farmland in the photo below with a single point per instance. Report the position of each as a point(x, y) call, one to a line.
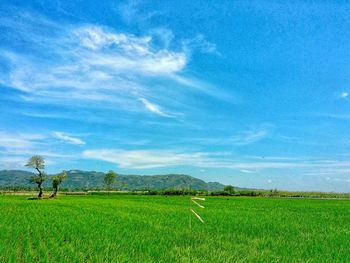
point(132, 228)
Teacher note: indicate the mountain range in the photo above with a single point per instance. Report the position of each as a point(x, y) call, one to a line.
point(78, 179)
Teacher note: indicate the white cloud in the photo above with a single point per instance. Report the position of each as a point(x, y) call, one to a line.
point(68, 139)
point(252, 135)
point(20, 144)
point(144, 159)
point(123, 52)
point(12, 162)
point(91, 63)
point(248, 171)
point(151, 158)
point(17, 142)
point(78, 63)
point(131, 14)
point(335, 116)
point(139, 159)
point(344, 94)
point(16, 148)
point(18, 162)
point(153, 108)
point(97, 59)
point(206, 88)
point(199, 42)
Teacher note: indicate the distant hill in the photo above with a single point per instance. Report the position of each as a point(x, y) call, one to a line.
point(78, 179)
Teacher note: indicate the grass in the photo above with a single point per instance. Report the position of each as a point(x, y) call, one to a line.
point(123, 228)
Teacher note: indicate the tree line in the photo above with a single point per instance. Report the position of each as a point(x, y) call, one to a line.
point(37, 162)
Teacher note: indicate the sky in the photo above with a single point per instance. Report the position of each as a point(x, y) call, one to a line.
point(248, 93)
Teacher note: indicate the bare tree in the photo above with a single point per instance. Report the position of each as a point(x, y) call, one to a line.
point(37, 162)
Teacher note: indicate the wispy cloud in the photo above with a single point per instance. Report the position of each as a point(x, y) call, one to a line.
point(121, 52)
point(206, 88)
point(252, 135)
point(75, 63)
point(68, 139)
point(153, 108)
point(333, 116)
point(248, 171)
point(152, 158)
point(201, 43)
point(95, 59)
point(131, 14)
point(18, 142)
point(145, 159)
point(12, 162)
point(16, 148)
point(343, 94)
point(30, 143)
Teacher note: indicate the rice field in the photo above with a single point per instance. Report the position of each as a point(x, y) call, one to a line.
point(131, 228)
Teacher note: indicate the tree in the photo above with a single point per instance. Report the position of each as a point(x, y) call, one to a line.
point(229, 188)
point(125, 184)
point(37, 162)
point(110, 179)
point(56, 181)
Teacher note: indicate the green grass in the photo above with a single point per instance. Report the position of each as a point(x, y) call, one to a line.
point(122, 228)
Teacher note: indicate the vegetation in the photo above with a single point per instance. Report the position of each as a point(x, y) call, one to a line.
point(37, 162)
point(87, 180)
point(174, 184)
point(124, 228)
point(229, 189)
point(56, 181)
point(110, 179)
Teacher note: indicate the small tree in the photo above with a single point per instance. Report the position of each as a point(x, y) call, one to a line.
point(230, 189)
point(125, 185)
point(110, 179)
point(56, 181)
point(37, 162)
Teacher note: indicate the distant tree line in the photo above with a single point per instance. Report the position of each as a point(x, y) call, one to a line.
point(37, 162)
point(249, 193)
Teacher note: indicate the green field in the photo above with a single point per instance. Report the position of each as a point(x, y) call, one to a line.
point(127, 228)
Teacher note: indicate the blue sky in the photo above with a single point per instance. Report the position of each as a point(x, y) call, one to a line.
point(249, 93)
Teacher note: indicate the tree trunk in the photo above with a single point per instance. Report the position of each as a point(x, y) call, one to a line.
point(54, 193)
point(40, 184)
point(40, 191)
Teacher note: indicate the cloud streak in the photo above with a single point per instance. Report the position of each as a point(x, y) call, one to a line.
point(252, 135)
point(343, 94)
point(68, 139)
point(153, 108)
point(97, 64)
point(16, 148)
point(144, 159)
point(123, 52)
point(154, 158)
point(18, 142)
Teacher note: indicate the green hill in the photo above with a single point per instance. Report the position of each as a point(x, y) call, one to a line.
point(78, 179)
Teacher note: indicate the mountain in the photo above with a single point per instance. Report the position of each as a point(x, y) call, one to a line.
point(78, 179)
point(14, 177)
